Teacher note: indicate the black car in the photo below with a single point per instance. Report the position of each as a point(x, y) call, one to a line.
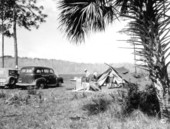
point(38, 76)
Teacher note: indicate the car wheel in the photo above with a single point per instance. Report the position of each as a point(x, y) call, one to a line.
point(41, 85)
point(12, 83)
point(59, 84)
point(6, 86)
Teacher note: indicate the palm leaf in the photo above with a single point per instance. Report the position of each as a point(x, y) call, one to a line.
point(77, 18)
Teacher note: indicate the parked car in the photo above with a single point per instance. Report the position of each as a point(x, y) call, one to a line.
point(8, 77)
point(38, 76)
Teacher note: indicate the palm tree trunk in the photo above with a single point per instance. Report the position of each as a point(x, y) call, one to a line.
point(159, 77)
point(15, 39)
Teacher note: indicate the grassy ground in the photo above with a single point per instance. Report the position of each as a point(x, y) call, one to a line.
point(60, 108)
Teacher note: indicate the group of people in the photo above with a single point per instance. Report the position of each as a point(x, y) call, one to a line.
point(90, 81)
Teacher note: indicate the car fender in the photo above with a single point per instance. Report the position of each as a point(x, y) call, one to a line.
point(40, 79)
point(9, 78)
point(60, 80)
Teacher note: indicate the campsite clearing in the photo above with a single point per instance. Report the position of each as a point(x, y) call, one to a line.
point(58, 108)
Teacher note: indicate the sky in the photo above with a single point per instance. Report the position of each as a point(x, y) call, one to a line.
point(49, 42)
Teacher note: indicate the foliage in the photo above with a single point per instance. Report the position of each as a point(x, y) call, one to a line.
point(2, 94)
point(59, 110)
point(27, 13)
point(124, 102)
point(146, 100)
point(20, 13)
point(29, 98)
point(31, 90)
point(87, 15)
point(4, 15)
point(16, 99)
point(150, 34)
point(97, 106)
point(148, 28)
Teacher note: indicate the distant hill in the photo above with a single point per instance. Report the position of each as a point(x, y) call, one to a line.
point(63, 67)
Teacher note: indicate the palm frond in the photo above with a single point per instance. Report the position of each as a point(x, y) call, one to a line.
point(78, 17)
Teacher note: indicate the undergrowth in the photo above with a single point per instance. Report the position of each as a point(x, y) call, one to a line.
point(146, 100)
point(31, 97)
point(2, 94)
point(124, 102)
point(56, 108)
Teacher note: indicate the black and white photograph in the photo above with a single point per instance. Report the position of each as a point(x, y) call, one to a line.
point(84, 64)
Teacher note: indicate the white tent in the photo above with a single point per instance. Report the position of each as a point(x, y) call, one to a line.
point(110, 76)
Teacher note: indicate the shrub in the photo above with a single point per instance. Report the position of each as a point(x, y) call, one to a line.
point(18, 99)
point(146, 100)
point(98, 105)
point(15, 99)
point(124, 102)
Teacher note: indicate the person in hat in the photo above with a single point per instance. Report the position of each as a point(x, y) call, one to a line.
point(87, 75)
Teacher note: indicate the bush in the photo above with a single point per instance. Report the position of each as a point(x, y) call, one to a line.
point(125, 101)
point(18, 99)
point(15, 99)
point(98, 105)
point(146, 100)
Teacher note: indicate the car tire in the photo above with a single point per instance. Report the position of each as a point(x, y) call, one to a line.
point(41, 85)
point(59, 84)
point(12, 83)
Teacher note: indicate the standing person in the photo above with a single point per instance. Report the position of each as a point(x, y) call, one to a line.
point(87, 75)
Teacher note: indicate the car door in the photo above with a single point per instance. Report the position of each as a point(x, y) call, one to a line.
point(52, 76)
point(38, 73)
point(45, 74)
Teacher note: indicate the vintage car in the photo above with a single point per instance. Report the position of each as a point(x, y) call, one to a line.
point(8, 77)
point(38, 77)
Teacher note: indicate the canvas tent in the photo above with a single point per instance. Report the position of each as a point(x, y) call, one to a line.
point(111, 76)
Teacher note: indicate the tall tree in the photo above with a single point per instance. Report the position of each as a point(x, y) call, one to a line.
point(150, 27)
point(148, 22)
point(3, 26)
point(2, 29)
point(25, 14)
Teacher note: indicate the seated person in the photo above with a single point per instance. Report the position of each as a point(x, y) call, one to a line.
point(92, 82)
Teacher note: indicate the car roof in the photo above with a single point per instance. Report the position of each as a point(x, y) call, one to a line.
point(35, 67)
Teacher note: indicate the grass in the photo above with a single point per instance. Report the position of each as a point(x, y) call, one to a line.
point(59, 108)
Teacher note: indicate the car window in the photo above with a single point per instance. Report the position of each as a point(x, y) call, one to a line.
point(46, 71)
point(12, 72)
point(51, 71)
point(27, 70)
point(38, 71)
point(23, 70)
